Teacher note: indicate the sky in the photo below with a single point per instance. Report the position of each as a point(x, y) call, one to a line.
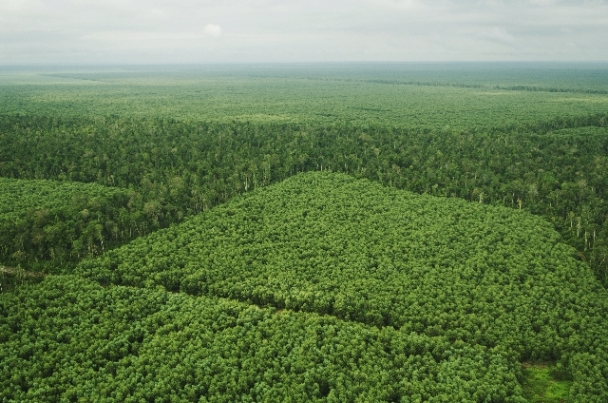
point(286, 31)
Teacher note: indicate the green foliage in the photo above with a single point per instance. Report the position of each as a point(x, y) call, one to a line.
point(11, 277)
point(366, 293)
point(70, 340)
point(545, 383)
point(48, 225)
point(465, 97)
point(331, 244)
point(19, 196)
point(180, 168)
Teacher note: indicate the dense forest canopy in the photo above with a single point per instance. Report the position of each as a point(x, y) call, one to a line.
point(331, 244)
point(72, 340)
point(339, 285)
point(174, 169)
point(48, 225)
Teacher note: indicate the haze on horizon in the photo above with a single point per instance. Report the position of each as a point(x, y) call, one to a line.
point(275, 31)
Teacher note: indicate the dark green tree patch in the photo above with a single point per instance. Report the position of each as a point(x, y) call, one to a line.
point(49, 225)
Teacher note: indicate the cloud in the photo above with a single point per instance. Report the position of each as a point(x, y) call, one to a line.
point(497, 34)
point(212, 30)
point(542, 3)
point(167, 31)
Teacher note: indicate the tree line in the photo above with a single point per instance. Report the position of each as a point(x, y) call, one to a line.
point(174, 169)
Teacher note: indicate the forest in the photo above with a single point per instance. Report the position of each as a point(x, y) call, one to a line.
point(304, 233)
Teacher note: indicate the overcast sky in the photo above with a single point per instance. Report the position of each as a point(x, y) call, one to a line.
point(205, 31)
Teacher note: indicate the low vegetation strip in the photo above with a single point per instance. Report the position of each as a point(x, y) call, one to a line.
point(546, 383)
point(15, 276)
point(331, 244)
point(16, 271)
point(19, 197)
